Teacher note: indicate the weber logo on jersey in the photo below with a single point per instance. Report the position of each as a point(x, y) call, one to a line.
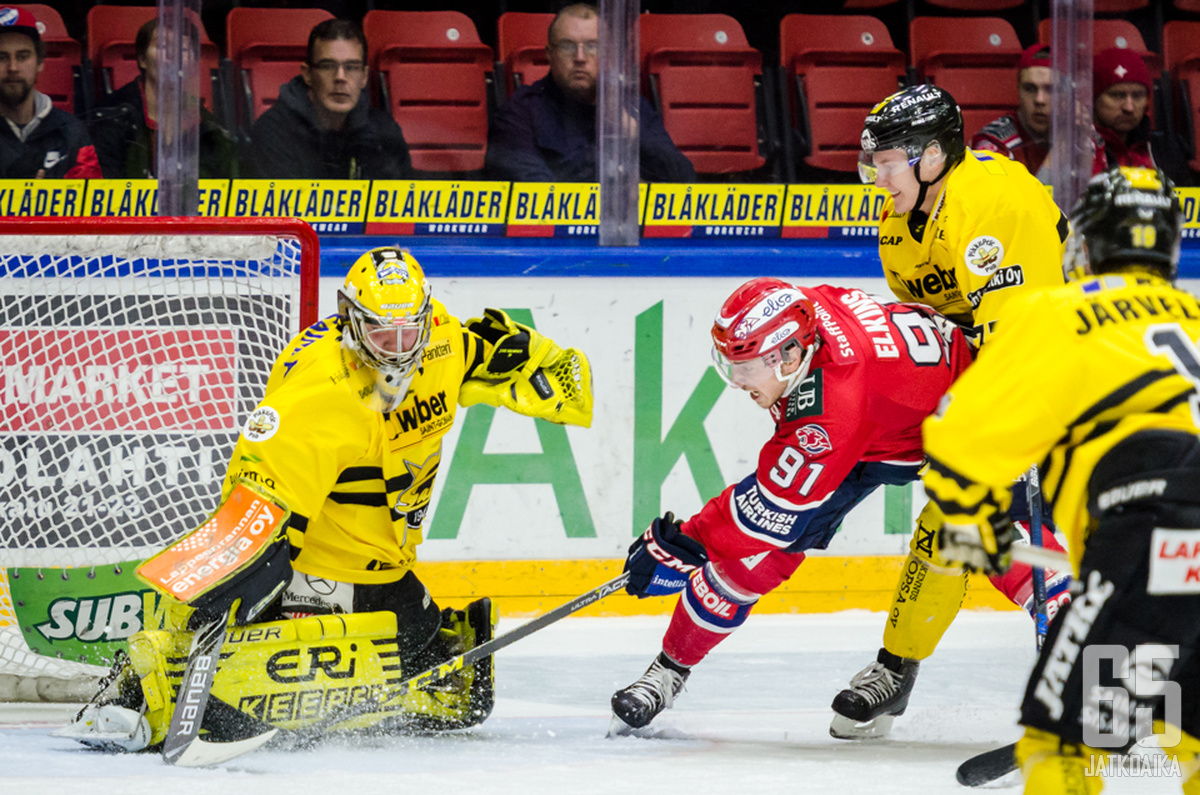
point(807, 400)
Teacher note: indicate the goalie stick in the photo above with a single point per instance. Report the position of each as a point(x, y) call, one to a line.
point(182, 746)
point(426, 677)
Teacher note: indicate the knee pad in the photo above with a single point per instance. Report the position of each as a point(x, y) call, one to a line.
point(715, 604)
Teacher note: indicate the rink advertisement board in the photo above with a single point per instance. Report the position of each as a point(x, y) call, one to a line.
point(832, 211)
point(472, 209)
point(733, 211)
point(136, 198)
point(54, 198)
point(330, 206)
point(667, 433)
point(558, 209)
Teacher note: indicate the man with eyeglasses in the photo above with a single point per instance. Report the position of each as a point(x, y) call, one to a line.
point(547, 130)
point(322, 126)
point(36, 139)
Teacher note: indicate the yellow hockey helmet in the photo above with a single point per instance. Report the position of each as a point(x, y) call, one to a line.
point(386, 309)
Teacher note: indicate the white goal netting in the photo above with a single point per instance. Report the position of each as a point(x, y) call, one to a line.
point(131, 352)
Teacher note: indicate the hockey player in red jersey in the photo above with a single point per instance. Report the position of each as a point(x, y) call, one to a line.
point(848, 381)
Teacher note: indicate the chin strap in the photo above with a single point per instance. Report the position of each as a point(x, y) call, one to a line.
point(792, 381)
point(946, 166)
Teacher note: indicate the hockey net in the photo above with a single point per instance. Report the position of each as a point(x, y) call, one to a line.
point(131, 352)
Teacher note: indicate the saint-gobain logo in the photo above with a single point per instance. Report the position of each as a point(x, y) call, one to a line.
point(128, 379)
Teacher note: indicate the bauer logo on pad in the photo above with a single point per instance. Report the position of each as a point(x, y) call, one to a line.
point(237, 532)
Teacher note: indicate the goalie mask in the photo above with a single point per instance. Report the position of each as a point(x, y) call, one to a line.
point(1125, 217)
point(386, 313)
point(763, 324)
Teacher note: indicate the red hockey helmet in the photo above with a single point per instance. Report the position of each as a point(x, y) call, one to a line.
point(759, 324)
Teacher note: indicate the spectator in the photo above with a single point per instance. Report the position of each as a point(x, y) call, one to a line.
point(1024, 135)
point(322, 126)
point(38, 140)
point(125, 124)
point(1122, 87)
point(547, 131)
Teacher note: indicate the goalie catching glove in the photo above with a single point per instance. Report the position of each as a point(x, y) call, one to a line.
point(527, 373)
point(985, 547)
point(662, 558)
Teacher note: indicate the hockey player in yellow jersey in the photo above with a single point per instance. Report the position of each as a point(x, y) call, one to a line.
point(348, 436)
point(1098, 381)
point(963, 232)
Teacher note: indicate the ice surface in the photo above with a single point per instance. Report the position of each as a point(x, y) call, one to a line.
point(754, 719)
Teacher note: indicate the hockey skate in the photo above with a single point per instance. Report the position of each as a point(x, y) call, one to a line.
point(635, 706)
point(877, 694)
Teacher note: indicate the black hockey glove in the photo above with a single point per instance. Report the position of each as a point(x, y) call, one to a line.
point(661, 559)
point(980, 547)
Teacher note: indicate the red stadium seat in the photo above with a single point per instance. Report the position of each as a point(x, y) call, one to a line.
point(522, 45)
point(977, 5)
point(267, 46)
point(837, 68)
point(433, 77)
point(1181, 49)
point(1113, 33)
point(112, 31)
point(63, 56)
point(974, 58)
point(703, 75)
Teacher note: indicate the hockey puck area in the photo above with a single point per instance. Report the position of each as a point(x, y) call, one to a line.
point(754, 717)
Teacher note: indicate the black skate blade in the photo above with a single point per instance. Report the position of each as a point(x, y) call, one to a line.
point(988, 766)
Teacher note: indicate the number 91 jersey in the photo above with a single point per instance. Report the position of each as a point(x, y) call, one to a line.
point(852, 425)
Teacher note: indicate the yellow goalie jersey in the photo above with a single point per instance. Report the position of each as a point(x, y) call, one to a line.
point(1076, 370)
point(357, 481)
point(993, 230)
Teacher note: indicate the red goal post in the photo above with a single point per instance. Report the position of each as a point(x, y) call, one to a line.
point(131, 352)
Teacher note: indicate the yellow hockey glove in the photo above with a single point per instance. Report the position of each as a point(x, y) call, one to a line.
point(528, 373)
point(984, 547)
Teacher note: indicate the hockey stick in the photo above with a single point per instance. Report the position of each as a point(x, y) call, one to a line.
point(183, 746)
point(988, 766)
point(1033, 490)
point(991, 765)
point(442, 670)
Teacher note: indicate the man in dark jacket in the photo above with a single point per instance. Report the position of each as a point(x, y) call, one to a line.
point(547, 131)
point(1123, 87)
point(322, 126)
point(36, 139)
point(124, 126)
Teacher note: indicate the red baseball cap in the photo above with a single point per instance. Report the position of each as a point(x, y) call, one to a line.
point(1119, 65)
point(1035, 55)
point(20, 20)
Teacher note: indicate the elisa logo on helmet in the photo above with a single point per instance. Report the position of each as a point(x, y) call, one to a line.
point(764, 310)
point(780, 335)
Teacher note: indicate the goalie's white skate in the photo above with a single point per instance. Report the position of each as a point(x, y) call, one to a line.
point(876, 696)
point(108, 727)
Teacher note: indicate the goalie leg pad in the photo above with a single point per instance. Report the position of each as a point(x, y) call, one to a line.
point(305, 673)
point(928, 594)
